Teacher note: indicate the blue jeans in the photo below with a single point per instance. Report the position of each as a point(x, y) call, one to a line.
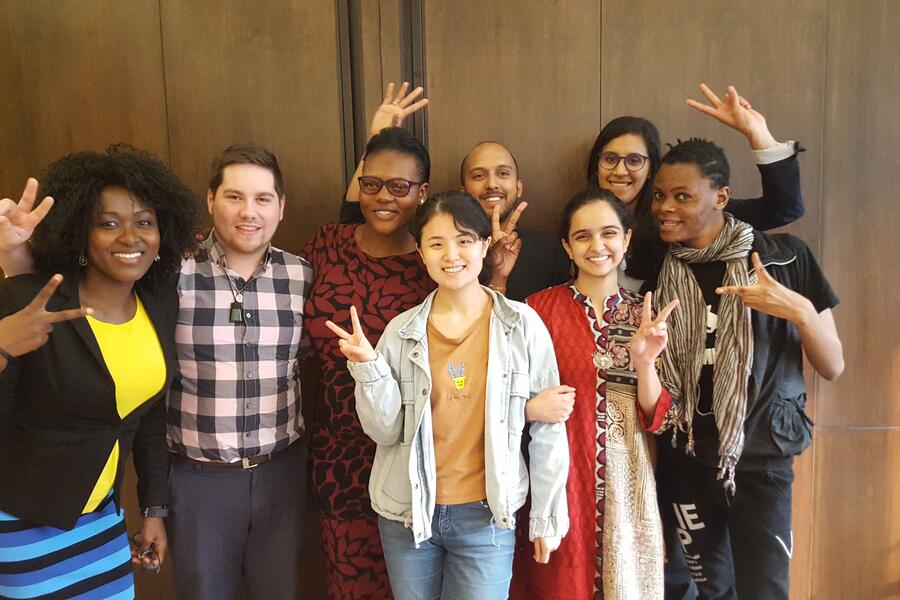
point(466, 557)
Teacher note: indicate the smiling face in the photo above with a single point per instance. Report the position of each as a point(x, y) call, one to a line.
point(687, 206)
point(123, 239)
point(385, 213)
point(246, 210)
point(452, 257)
point(490, 176)
point(597, 240)
point(625, 184)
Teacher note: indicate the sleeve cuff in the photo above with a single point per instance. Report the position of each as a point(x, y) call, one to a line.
point(662, 407)
point(772, 154)
point(549, 527)
point(371, 371)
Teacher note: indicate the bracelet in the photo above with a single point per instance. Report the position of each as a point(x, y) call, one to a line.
point(155, 511)
point(5, 354)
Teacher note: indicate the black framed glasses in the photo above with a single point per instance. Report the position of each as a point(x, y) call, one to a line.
point(633, 162)
point(397, 187)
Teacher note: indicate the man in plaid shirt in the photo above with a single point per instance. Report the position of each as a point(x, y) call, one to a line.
point(238, 475)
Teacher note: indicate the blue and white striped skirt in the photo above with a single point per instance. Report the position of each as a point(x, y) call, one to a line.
point(90, 562)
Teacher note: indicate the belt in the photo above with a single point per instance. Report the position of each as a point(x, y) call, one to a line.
point(244, 463)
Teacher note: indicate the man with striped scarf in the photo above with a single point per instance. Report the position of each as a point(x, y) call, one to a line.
point(751, 304)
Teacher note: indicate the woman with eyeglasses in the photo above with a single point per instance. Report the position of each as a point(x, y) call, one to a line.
point(625, 158)
point(374, 266)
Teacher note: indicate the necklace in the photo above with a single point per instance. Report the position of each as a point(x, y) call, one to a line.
point(602, 360)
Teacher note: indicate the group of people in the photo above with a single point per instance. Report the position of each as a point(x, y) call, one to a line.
point(626, 432)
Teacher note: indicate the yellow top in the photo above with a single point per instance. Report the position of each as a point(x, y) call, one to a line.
point(135, 360)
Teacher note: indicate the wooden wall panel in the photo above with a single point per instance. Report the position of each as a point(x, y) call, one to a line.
point(526, 78)
point(77, 76)
point(855, 549)
point(259, 72)
point(770, 50)
point(861, 219)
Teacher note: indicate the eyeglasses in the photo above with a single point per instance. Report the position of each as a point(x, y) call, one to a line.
point(633, 162)
point(396, 187)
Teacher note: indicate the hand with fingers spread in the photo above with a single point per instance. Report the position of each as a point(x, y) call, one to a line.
point(770, 297)
point(30, 328)
point(505, 245)
point(353, 345)
point(552, 405)
point(395, 108)
point(737, 113)
point(543, 547)
point(18, 219)
point(651, 338)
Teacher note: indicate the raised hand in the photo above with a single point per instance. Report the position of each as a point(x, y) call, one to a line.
point(552, 405)
point(737, 113)
point(768, 296)
point(18, 219)
point(651, 338)
point(395, 108)
point(30, 328)
point(505, 244)
point(354, 345)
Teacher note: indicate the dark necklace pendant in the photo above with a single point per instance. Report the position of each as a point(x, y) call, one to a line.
point(236, 313)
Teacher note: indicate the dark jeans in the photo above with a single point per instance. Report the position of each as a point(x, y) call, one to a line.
point(225, 524)
point(735, 546)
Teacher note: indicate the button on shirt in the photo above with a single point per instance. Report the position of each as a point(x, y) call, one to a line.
point(238, 395)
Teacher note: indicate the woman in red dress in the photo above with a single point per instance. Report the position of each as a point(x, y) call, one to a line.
point(374, 266)
point(606, 343)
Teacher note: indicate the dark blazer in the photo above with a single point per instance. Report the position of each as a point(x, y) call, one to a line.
point(58, 416)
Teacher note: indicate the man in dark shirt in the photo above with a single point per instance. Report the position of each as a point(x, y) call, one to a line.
point(736, 375)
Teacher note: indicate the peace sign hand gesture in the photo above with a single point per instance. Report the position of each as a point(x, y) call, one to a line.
point(18, 219)
point(505, 244)
point(653, 335)
point(737, 113)
point(354, 345)
point(30, 328)
point(395, 108)
point(768, 296)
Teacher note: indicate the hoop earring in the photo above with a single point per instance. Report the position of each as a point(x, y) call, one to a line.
point(82, 261)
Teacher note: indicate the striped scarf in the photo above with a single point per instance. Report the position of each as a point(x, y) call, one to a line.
point(682, 362)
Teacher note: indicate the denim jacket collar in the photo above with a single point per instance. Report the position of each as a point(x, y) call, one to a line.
point(416, 327)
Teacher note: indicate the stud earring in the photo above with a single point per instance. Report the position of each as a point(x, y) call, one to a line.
point(623, 265)
point(82, 260)
point(156, 258)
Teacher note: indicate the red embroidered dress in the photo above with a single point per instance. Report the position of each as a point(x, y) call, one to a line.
point(614, 547)
point(341, 453)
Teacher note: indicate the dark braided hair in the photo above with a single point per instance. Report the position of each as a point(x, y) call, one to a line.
point(709, 159)
point(76, 182)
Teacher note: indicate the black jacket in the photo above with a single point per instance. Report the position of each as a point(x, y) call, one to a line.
point(58, 417)
point(776, 426)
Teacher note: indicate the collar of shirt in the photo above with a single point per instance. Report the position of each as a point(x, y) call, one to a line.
point(217, 255)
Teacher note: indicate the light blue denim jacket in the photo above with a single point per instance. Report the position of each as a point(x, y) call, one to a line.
point(393, 401)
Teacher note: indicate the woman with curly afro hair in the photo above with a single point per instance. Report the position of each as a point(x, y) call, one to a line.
point(73, 409)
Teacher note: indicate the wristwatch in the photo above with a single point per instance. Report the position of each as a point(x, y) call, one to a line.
point(155, 511)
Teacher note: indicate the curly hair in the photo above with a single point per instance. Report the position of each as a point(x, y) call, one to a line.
point(76, 182)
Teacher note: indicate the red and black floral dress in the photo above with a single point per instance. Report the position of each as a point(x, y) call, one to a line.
point(341, 453)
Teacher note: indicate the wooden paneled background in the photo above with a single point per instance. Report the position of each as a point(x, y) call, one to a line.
point(185, 78)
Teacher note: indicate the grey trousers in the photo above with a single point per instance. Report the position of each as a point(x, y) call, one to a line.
point(228, 524)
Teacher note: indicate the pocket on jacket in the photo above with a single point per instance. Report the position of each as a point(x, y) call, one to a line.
point(790, 427)
point(396, 485)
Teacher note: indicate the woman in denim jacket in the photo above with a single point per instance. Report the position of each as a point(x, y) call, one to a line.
point(443, 396)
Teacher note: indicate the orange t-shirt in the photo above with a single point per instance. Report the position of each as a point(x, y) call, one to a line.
point(459, 378)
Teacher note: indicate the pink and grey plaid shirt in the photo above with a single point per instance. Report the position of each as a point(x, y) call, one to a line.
point(238, 395)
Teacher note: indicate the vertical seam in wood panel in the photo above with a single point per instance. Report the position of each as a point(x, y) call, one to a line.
point(162, 56)
point(600, 62)
point(345, 85)
point(821, 253)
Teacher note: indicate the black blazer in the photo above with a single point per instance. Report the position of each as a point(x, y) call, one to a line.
point(58, 417)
